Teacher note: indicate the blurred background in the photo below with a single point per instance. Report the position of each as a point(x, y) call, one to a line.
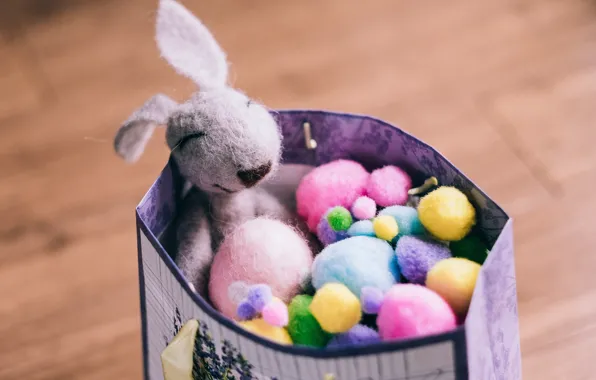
point(504, 88)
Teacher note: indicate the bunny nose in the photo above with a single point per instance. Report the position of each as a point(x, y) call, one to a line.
point(250, 177)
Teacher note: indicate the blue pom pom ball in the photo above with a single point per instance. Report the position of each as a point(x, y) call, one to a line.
point(407, 220)
point(362, 228)
point(357, 262)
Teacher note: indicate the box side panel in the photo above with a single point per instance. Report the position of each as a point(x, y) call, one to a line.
point(492, 325)
point(168, 307)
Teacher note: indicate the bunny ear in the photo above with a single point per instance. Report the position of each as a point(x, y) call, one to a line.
point(133, 135)
point(188, 46)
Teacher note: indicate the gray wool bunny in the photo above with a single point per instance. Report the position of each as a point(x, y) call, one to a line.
point(223, 143)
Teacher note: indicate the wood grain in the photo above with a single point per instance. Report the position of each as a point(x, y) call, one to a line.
point(503, 88)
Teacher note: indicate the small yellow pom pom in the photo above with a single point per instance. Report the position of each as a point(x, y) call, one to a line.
point(260, 327)
point(447, 213)
point(385, 227)
point(336, 308)
point(454, 279)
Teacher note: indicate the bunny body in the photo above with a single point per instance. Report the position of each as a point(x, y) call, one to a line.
point(224, 144)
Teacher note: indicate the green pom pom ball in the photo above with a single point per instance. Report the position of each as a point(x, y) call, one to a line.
point(339, 218)
point(303, 327)
point(471, 247)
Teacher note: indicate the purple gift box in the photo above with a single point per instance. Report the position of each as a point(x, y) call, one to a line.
point(486, 347)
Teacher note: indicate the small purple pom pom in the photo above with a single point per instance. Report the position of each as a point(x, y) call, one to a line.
point(246, 311)
point(416, 256)
point(327, 235)
point(371, 299)
point(259, 296)
point(357, 335)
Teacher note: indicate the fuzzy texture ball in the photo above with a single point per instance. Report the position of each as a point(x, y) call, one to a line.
point(364, 208)
point(259, 295)
point(339, 218)
point(415, 257)
point(246, 311)
point(471, 247)
point(357, 335)
point(260, 251)
point(371, 299)
point(337, 183)
point(327, 235)
point(389, 186)
point(362, 228)
point(303, 327)
point(454, 279)
point(276, 313)
point(336, 308)
point(262, 328)
point(385, 227)
point(356, 262)
point(411, 310)
point(447, 213)
point(406, 218)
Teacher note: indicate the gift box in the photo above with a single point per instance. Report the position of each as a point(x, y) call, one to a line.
point(485, 347)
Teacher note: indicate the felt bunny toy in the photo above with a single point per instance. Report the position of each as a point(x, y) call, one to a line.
point(223, 143)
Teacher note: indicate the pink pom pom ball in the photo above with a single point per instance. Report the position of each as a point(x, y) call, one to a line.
point(259, 251)
point(276, 313)
point(364, 208)
point(337, 183)
point(389, 186)
point(411, 310)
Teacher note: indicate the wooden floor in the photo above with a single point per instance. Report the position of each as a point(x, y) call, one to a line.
point(505, 88)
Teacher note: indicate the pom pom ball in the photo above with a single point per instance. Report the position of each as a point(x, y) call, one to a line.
point(339, 218)
point(406, 218)
point(362, 228)
point(276, 313)
point(357, 335)
point(389, 186)
point(454, 279)
point(411, 310)
point(327, 235)
point(274, 333)
point(447, 213)
point(336, 308)
point(364, 208)
point(371, 299)
point(259, 251)
point(356, 262)
point(303, 326)
point(259, 295)
point(337, 183)
point(246, 311)
point(471, 247)
point(385, 227)
point(415, 257)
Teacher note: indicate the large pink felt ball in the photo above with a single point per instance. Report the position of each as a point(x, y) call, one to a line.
point(410, 310)
point(388, 186)
point(259, 251)
point(337, 183)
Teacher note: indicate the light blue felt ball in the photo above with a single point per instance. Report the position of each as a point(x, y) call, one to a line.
point(407, 220)
point(357, 262)
point(362, 228)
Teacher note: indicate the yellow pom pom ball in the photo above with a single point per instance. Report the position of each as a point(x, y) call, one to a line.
point(336, 308)
point(260, 327)
point(454, 279)
point(385, 227)
point(447, 213)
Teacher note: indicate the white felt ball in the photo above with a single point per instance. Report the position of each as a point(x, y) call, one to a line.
point(259, 251)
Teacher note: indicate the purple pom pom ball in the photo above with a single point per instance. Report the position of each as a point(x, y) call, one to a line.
point(327, 235)
point(357, 335)
point(246, 311)
point(371, 299)
point(416, 256)
point(259, 296)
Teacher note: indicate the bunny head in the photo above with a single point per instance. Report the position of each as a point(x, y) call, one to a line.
point(222, 141)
